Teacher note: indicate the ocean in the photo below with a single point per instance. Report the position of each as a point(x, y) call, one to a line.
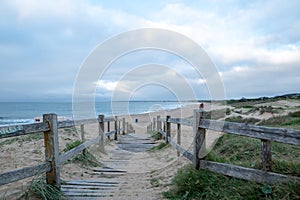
point(25, 112)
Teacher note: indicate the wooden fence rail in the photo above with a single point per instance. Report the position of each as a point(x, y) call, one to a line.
point(53, 160)
point(197, 157)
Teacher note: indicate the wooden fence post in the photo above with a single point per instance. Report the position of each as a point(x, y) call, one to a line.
point(51, 150)
point(116, 128)
point(168, 129)
point(101, 132)
point(158, 127)
point(82, 137)
point(199, 138)
point(127, 127)
point(266, 155)
point(154, 124)
point(123, 126)
point(108, 129)
point(119, 127)
point(178, 137)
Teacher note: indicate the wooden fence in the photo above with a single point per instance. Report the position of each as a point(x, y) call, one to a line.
point(200, 125)
point(53, 160)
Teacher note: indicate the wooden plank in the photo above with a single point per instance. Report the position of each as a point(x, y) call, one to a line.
point(108, 170)
point(72, 123)
point(283, 135)
point(110, 133)
point(80, 187)
point(183, 151)
point(18, 130)
point(85, 195)
point(186, 122)
point(164, 134)
point(82, 191)
point(109, 119)
point(102, 182)
point(73, 152)
point(246, 173)
point(52, 150)
point(83, 198)
point(15, 175)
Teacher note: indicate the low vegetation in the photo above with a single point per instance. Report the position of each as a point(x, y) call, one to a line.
point(189, 183)
point(24, 138)
point(85, 159)
point(292, 120)
point(39, 189)
point(240, 119)
point(159, 147)
point(244, 151)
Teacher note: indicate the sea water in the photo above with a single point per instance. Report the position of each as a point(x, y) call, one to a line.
point(25, 112)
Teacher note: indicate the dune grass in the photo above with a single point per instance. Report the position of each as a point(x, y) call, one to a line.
point(189, 183)
point(39, 189)
point(292, 120)
point(244, 151)
point(86, 159)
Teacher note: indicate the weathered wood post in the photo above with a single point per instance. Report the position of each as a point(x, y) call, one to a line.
point(154, 124)
point(123, 126)
point(127, 127)
point(150, 127)
point(164, 128)
point(82, 137)
point(116, 128)
point(266, 155)
point(158, 127)
point(199, 138)
point(178, 137)
point(51, 150)
point(168, 129)
point(119, 127)
point(101, 132)
point(108, 129)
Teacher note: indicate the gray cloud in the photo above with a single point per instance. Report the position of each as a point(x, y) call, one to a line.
point(42, 44)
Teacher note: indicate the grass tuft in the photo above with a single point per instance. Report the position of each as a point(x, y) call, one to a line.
point(39, 189)
point(86, 159)
point(159, 147)
point(72, 145)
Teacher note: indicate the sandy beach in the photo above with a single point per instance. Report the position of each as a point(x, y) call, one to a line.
point(144, 166)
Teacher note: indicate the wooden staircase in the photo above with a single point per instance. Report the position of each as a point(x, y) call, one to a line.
point(109, 176)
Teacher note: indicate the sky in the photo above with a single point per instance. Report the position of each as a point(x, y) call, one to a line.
point(254, 45)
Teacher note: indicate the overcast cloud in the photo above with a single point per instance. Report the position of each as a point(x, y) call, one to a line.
point(255, 46)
